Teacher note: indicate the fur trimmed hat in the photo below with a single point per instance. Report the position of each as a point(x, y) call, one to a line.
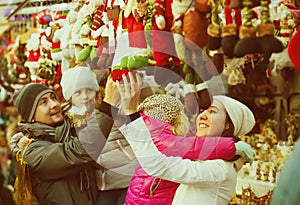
point(27, 98)
point(240, 115)
point(162, 107)
point(78, 78)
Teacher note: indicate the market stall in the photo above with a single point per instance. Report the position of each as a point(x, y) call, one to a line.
point(250, 45)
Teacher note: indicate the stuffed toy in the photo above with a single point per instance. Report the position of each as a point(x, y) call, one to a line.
point(106, 43)
point(129, 63)
point(33, 55)
point(66, 37)
point(95, 23)
point(134, 13)
point(190, 21)
point(81, 30)
point(286, 23)
point(46, 43)
point(179, 9)
point(190, 35)
point(56, 51)
point(163, 46)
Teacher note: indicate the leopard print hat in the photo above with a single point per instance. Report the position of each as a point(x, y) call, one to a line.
point(162, 107)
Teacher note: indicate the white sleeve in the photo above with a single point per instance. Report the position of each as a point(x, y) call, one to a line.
point(173, 169)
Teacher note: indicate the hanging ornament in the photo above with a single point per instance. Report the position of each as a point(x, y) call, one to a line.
point(268, 42)
point(214, 29)
point(230, 30)
point(293, 50)
point(248, 43)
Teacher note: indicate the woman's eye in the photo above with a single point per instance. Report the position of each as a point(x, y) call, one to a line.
point(213, 111)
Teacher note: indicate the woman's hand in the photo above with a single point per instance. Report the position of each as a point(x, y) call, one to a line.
point(23, 142)
point(130, 90)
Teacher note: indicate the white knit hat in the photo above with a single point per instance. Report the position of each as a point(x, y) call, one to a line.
point(240, 115)
point(78, 78)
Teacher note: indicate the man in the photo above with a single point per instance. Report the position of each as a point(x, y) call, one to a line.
point(62, 171)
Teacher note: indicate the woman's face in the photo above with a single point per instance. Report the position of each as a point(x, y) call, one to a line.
point(83, 96)
point(211, 122)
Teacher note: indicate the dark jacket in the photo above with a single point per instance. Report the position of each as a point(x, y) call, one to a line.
point(62, 170)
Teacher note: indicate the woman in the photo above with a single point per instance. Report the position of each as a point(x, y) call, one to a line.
point(202, 182)
point(168, 125)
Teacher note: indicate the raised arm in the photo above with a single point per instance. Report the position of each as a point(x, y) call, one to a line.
point(173, 169)
point(196, 148)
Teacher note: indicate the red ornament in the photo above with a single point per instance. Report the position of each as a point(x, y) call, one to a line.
point(116, 75)
point(293, 50)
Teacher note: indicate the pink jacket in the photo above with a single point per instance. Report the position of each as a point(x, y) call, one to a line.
point(145, 189)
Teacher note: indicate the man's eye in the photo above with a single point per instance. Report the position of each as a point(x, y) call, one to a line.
point(53, 97)
point(43, 102)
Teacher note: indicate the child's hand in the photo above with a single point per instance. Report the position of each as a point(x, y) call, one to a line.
point(111, 95)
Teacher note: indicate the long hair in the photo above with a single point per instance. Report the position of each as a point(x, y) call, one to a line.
point(181, 125)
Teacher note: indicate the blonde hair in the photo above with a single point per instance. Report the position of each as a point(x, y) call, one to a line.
point(181, 125)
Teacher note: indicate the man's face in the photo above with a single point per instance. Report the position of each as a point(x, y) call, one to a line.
point(48, 110)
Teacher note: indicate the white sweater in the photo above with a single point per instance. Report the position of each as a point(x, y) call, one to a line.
point(210, 182)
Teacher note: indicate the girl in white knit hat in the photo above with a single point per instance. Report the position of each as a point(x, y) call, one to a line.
point(81, 90)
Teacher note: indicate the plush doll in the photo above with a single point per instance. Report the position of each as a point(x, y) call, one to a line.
point(129, 63)
point(179, 9)
point(66, 37)
point(81, 30)
point(190, 21)
point(33, 55)
point(163, 46)
point(134, 12)
point(106, 44)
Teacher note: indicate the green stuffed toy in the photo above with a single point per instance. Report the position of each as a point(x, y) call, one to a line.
point(129, 63)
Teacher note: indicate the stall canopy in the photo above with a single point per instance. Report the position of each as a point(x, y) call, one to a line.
point(13, 11)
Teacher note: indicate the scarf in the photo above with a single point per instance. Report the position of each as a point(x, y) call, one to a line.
point(42, 131)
